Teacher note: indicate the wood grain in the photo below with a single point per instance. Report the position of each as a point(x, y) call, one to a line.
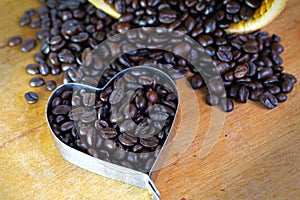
point(257, 155)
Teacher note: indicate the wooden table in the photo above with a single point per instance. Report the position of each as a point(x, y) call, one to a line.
point(257, 155)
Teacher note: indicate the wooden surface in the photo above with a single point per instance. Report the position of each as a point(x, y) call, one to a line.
point(257, 155)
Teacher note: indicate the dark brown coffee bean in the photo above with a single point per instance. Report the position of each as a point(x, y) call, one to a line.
point(265, 73)
point(127, 140)
point(66, 57)
point(31, 97)
point(55, 102)
point(227, 104)
point(268, 100)
point(233, 7)
point(67, 126)
point(253, 3)
point(243, 94)
point(149, 142)
point(240, 71)
point(196, 81)
point(50, 85)
point(81, 37)
point(14, 40)
point(205, 40)
point(246, 13)
point(66, 94)
point(140, 102)
point(39, 57)
point(287, 86)
point(44, 69)
point(224, 54)
point(61, 110)
point(274, 90)
point(35, 23)
point(109, 133)
point(212, 99)
point(127, 126)
point(152, 96)
point(255, 94)
point(281, 97)
point(28, 44)
point(250, 47)
point(55, 40)
point(24, 20)
point(36, 82)
point(32, 69)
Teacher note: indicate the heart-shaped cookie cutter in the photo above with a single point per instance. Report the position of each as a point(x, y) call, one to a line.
point(107, 169)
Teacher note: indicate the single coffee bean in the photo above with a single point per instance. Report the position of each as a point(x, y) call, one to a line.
point(44, 69)
point(243, 94)
point(31, 97)
point(240, 71)
point(227, 104)
point(36, 82)
point(287, 86)
point(233, 7)
point(50, 85)
point(152, 97)
point(224, 54)
point(89, 99)
point(281, 97)
point(196, 81)
point(14, 40)
point(88, 116)
point(127, 140)
point(149, 142)
point(32, 69)
point(24, 20)
point(265, 73)
point(28, 44)
point(268, 100)
point(61, 110)
point(109, 133)
point(39, 57)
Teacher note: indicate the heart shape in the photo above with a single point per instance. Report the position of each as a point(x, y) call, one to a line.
point(117, 131)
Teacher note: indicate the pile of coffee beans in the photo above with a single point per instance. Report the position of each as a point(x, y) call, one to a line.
point(127, 123)
point(250, 64)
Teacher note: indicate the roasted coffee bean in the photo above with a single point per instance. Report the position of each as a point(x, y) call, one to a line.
point(240, 71)
point(39, 57)
point(50, 85)
point(196, 81)
point(56, 101)
point(227, 104)
point(287, 86)
point(268, 100)
point(67, 126)
point(109, 133)
point(61, 110)
point(44, 69)
point(127, 140)
point(32, 69)
point(224, 54)
point(265, 73)
point(255, 94)
point(76, 113)
point(152, 97)
point(24, 20)
point(14, 40)
point(233, 7)
point(28, 44)
point(243, 94)
point(281, 97)
point(149, 142)
point(81, 37)
point(31, 97)
point(36, 82)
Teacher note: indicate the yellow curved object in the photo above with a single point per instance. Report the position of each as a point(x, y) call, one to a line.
point(106, 7)
point(267, 12)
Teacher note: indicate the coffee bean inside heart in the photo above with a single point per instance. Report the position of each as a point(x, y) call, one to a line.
point(119, 124)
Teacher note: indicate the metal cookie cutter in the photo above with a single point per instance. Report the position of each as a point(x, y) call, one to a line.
point(109, 169)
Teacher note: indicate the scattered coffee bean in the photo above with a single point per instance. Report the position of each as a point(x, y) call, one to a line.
point(28, 44)
point(50, 85)
point(36, 82)
point(31, 97)
point(14, 40)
